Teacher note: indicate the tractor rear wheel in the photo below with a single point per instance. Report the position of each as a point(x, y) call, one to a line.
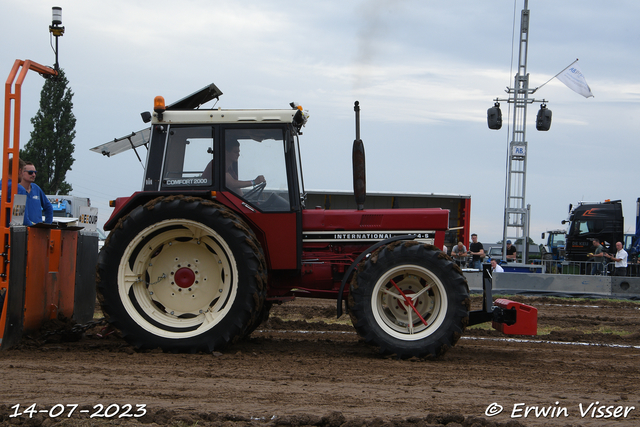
point(409, 299)
point(183, 274)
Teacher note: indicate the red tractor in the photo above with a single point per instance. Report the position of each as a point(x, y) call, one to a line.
point(196, 259)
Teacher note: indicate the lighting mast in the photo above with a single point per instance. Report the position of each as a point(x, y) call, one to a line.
point(516, 212)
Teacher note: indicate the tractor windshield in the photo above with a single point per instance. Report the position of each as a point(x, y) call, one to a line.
point(557, 239)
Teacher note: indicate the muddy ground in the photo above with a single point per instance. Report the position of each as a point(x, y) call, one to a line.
point(303, 367)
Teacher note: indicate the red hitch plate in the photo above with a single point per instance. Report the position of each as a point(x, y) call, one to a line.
point(526, 318)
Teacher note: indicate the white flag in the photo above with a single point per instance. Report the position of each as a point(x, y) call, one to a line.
point(574, 79)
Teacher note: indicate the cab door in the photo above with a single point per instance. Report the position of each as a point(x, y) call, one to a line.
point(258, 177)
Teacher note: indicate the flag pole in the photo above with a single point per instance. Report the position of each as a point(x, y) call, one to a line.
point(556, 75)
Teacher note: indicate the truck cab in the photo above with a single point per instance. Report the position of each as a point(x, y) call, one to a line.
point(594, 220)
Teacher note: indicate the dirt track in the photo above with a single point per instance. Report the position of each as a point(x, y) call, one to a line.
point(303, 368)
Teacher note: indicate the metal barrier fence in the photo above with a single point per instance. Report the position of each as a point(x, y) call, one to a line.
point(587, 268)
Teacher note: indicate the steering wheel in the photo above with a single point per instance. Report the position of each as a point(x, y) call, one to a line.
point(255, 192)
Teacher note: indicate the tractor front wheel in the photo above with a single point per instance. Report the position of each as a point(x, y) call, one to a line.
point(409, 299)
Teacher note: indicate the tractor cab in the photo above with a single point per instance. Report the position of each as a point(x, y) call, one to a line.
point(244, 159)
point(248, 162)
point(246, 154)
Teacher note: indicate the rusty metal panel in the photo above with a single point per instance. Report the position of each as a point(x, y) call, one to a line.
point(37, 299)
point(12, 318)
point(66, 272)
point(50, 276)
point(84, 304)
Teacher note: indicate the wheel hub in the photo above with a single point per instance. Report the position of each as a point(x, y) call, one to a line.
point(190, 286)
point(405, 303)
point(184, 277)
point(399, 307)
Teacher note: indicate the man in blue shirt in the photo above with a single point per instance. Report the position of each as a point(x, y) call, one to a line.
point(21, 189)
point(36, 199)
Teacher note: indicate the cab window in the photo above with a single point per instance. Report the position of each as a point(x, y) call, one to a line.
point(189, 157)
point(587, 227)
point(557, 239)
point(255, 167)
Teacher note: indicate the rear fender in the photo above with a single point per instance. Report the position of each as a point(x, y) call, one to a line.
point(124, 205)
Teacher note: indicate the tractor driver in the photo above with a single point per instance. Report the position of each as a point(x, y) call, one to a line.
point(232, 152)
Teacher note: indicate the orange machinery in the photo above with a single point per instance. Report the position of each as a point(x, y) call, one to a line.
point(46, 272)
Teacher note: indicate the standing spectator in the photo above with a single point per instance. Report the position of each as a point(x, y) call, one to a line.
point(459, 253)
point(512, 253)
point(21, 189)
point(620, 259)
point(597, 257)
point(495, 267)
point(477, 250)
point(36, 199)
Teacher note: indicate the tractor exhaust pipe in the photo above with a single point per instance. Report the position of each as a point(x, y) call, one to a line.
point(358, 163)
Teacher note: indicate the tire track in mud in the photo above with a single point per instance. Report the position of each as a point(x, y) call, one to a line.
point(300, 368)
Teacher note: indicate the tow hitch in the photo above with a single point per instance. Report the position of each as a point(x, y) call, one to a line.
point(506, 316)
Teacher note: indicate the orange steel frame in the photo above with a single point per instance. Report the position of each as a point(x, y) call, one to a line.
point(11, 149)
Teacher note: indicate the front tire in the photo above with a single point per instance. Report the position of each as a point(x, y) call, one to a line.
point(182, 274)
point(437, 313)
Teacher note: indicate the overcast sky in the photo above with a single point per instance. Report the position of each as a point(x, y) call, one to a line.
point(425, 73)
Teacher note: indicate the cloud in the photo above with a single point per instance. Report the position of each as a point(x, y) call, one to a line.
point(424, 73)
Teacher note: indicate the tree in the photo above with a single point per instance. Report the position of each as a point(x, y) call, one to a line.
point(51, 146)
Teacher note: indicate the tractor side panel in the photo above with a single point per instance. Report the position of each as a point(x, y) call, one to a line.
point(375, 220)
point(276, 231)
point(332, 240)
point(281, 239)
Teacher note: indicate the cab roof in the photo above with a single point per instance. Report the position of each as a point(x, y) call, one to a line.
point(187, 111)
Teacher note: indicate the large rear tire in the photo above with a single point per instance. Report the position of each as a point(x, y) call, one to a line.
point(181, 273)
point(409, 299)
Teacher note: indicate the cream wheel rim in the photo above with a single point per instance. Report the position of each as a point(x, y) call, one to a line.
point(177, 278)
point(392, 310)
